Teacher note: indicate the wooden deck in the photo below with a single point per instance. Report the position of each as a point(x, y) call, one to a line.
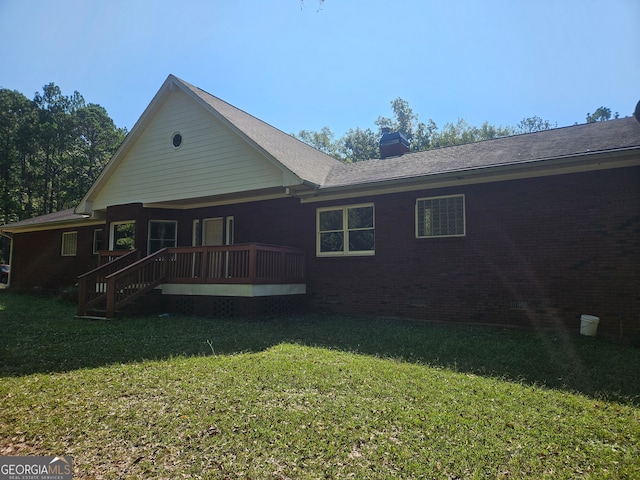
point(123, 278)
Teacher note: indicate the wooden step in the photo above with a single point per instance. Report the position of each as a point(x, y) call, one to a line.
point(89, 317)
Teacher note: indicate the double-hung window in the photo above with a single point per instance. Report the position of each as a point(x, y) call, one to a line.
point(348, 230)
point(440, 217)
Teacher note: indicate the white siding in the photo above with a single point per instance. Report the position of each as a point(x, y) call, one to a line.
point(212, 160)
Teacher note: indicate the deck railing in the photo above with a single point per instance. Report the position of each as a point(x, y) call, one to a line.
point(250, 263)
point(133, 281)
point(92, 285)
point(106, 256)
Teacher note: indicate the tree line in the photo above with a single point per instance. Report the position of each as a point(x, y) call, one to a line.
point(52, 148)
point(362, 144)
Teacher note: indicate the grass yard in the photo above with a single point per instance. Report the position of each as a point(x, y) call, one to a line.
point(313, 396)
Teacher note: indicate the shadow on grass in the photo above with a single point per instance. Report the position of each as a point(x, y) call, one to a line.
point(41, 335)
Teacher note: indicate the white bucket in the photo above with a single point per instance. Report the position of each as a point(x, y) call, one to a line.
point(589, 325)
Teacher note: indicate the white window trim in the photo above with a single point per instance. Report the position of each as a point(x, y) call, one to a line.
point(175, 240)
point(464, 217)
point(345, 252)
point(67, 253)
point(230, 230)
point(196, 233)
point(95, 231)
point(112, 230)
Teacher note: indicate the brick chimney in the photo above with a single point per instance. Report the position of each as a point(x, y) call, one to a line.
point(393, 144)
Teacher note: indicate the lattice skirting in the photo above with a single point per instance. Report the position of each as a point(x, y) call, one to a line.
point(233, 306)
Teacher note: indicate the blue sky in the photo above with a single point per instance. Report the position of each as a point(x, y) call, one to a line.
point(339, 65)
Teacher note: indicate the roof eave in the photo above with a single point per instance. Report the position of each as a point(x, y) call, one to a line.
point(575, 163)
point(37, 227)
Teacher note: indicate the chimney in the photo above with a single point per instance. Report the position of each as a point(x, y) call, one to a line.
point(392, 144)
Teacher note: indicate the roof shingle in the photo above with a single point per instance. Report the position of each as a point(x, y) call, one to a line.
point(301, 159)
point(519, 149)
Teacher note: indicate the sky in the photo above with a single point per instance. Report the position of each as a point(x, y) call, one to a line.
point(304, 66)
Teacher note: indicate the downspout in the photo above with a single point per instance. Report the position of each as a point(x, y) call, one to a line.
point(10, 237)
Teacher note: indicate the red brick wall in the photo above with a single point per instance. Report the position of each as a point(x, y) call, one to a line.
point(37, 261)
point(537, 252)
point(278, 222)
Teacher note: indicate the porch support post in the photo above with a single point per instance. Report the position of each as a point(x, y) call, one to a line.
point(253, 261)
point(111, 297)
point(204, 272)
point(82, 296)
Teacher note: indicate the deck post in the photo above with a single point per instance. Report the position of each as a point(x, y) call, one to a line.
point(252, 262)
point(111, 297)
point(204, 272)
point(82, 296)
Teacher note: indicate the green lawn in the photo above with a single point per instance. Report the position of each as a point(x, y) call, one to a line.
point(313, 396)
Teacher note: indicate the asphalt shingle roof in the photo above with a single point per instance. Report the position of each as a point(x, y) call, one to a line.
point(549, 144)
point(323, 172)
point(63, 216)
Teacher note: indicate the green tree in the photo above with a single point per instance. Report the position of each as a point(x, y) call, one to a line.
point(601, 114)
point(18, 119)
point(52, 148)
point(422, 136)
point(533, 124)
point(55, 138)
point(488, 131)
point(454, 134)
point(406, 122)
point(97, 138)
point(357, 145)
point(322, 140)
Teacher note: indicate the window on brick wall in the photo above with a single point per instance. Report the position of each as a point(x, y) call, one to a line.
point(123, 235)
point(348, 230)
point(69, 244)
point(162, 234)
point(440, 217)
point(97, 240)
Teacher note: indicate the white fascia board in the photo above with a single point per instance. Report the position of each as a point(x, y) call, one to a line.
point(499, 173)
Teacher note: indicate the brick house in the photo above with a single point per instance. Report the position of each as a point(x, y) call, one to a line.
point(218, 211)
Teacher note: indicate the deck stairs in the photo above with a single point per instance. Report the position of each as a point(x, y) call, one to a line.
point(124, 278)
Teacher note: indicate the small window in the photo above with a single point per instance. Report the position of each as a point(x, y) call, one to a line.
point(346, 231)
point(440, 217)
point(162, 234)
point(176, 140)
point(97, 241)
point(69, 244)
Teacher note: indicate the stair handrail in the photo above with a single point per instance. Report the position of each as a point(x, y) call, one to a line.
point(88, 294)
point(113, 288)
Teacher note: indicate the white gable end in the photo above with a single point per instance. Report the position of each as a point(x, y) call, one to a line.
point(212, 159)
